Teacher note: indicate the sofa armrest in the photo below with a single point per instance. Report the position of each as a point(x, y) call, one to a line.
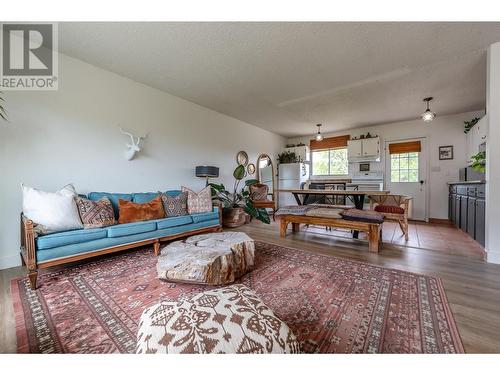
point(218, 205)
point(28, 249)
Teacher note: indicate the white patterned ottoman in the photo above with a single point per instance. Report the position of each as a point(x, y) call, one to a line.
point(227, 320)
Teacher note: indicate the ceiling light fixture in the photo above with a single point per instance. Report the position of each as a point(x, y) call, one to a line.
point(319, 136)
point(428, 115)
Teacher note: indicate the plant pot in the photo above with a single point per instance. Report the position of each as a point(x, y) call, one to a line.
point(233, 217)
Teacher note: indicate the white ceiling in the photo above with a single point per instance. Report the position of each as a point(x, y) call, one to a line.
point(286, 77)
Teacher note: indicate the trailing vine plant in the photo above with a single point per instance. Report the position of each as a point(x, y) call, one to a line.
point(469, 124)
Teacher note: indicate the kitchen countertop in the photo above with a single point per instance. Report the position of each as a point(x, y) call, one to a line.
point(467, 182)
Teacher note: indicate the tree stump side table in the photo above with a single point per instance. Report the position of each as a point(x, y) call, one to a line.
point(211, 259)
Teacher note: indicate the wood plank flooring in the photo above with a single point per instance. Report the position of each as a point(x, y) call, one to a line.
point(472, 286)
point(438, 237)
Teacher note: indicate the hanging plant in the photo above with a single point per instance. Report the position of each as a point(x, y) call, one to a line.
point(479, 162)
point(3, 112)
point(469, 124)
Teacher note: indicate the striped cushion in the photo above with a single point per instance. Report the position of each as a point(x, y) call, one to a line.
point(389, 209)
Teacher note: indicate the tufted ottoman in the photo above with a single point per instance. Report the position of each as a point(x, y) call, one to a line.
point(227, 320)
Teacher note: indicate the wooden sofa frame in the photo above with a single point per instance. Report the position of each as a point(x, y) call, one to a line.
point(373, 230)
point(28, 249)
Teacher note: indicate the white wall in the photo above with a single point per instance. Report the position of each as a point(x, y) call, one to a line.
point(493, 154)
point(72, 135)
point(443, 131)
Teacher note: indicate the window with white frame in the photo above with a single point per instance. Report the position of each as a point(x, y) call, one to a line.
point(404, 167)
point(330, 162)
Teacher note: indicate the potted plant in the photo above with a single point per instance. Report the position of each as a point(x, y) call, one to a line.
point(479, 162)
point(238, 202)
point(287, 157)
point(3, 113)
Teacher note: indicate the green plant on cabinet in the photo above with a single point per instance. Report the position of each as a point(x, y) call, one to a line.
point(288, 157)
point(470, 124)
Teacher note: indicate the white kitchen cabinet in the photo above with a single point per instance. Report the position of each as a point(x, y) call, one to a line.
point(367, 149)
point(371, 147)
point(354, 149)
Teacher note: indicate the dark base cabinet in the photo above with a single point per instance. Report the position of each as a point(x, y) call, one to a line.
point(467, 209)
point(480, 215)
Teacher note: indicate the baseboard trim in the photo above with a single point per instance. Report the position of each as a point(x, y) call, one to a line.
point(10, 261)
point(493, 257)
point(434, 220)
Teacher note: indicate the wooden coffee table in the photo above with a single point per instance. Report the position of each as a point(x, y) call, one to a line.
point(211, 259)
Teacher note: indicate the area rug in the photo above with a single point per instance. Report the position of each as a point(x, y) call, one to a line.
point(333, 305)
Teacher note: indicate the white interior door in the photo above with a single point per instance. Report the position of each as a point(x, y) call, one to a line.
point(406, 173)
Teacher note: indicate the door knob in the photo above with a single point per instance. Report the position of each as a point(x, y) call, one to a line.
point(422, 182)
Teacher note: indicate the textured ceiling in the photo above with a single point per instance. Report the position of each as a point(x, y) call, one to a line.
point(286, 77)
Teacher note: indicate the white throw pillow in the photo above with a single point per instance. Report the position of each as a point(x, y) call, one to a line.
point(53, 212)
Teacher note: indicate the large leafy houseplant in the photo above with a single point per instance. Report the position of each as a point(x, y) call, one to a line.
point(3, 113)
point(239, 198)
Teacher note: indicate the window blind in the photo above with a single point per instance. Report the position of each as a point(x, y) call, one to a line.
point(404, 147)
point(332, 142)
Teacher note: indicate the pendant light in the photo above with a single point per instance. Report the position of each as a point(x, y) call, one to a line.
point(319, 136)
point(428, 115)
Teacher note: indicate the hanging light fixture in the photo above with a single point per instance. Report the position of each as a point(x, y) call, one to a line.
point(428, 115)
point(319, 136)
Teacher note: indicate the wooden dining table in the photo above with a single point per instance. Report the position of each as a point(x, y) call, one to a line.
point(358, 196)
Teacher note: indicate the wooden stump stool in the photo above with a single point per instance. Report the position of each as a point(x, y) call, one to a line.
point(212, 259)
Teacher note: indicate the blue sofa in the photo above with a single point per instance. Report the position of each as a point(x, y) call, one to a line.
point(52, 249)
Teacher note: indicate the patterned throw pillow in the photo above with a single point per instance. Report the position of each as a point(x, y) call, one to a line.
point(258, 192)
point(227, 320)
point(95, 214)
point(175, 206)
point(198, 202)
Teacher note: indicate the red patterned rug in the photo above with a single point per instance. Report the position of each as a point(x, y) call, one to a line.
point(333, 305)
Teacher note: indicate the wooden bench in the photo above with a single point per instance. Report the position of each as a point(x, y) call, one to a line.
point(373, 230)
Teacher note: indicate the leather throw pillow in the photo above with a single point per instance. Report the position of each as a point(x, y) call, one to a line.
point(199, 202)
point(131, 212)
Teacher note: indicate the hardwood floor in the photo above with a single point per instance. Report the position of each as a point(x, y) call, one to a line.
point(472, 286)
point(439, 237)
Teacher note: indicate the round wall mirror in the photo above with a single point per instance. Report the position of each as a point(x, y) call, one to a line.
point(242, 158)
point(265, 171)
point(251, 168)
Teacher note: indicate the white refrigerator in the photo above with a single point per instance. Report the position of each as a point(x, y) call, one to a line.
point(291, 176)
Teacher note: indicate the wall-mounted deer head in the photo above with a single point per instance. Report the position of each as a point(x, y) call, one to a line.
point(133, 147)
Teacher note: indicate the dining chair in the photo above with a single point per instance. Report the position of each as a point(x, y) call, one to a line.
point(259, 194)
point(395, 207)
